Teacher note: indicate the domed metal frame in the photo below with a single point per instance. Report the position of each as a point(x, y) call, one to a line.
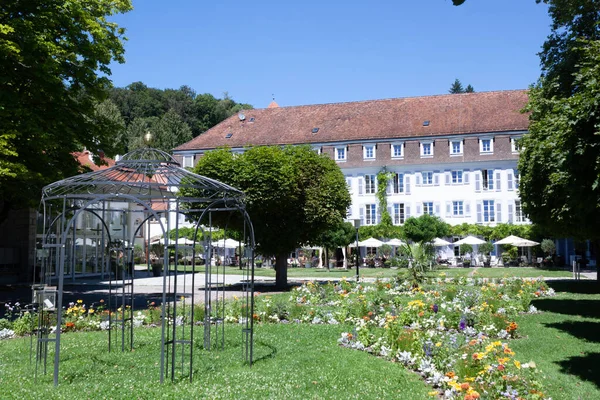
point(115, 205)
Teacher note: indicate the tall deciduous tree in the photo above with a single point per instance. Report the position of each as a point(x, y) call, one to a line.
point(54, 62)
point(293, 195)
point(559, 162)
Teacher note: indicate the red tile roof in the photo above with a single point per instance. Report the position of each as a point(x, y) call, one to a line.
point(84, 158)
point(375, 119)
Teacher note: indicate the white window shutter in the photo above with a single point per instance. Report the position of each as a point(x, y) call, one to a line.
point(389, 210)
point(466, 177)
point(498, 212)
point(437, 208)
point(361, 184)
point(498, 179)
point(436, 178)
point(406, 211)
point(362, 215)
point(509, 184)
point(467, 206)
point(448, 208)
point(510, 214)
point(477, 181)
point(418, 209)
point(479, 212)
point(388, 189)
point(418, 179)
point(407, 184)
point(448, 175)
point(378, 213)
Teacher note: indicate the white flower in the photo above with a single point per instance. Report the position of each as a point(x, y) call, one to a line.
point(532, 309)
point(6, 333)
point(406, 358)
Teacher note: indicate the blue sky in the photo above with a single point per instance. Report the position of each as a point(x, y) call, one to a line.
point(331, 51)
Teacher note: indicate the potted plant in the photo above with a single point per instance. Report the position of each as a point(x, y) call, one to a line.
point(549, 248)
point(156, 262)
point(486, 248)
point(466, 249)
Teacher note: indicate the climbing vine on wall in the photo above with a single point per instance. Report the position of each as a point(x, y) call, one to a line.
point(383, 178)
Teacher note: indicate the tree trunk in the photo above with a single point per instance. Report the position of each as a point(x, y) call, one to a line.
point(281, 271)
point(596, 244)
point(327, 259)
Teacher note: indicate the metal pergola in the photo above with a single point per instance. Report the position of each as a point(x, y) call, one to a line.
point(107, 211)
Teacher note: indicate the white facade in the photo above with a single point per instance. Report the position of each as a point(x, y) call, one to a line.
point(485, 193)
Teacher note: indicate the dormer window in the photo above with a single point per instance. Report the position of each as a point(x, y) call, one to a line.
point(188, 161)
point(486, 145)
point(515, 145)
point(369, 152)
point(456, 147)
point(427, 149)
point(397, 150)
point(340, 154)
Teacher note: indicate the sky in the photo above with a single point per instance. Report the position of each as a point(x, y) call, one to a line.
point(328, 51)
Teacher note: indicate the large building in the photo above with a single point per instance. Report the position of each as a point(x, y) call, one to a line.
point(454, 156)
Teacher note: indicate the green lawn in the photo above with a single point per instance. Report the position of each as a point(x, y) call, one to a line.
point(292, 362)
point(501, 272)
point(496, 272)
point(564, 341)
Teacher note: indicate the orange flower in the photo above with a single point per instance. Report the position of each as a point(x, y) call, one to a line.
point(473, 342)
point(450, 374)
point(421, 314)
point(255, 316)
point(70, 325)
point(501, 367)
point(465, 386)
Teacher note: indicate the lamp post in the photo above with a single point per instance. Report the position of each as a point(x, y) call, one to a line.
point(356, 226)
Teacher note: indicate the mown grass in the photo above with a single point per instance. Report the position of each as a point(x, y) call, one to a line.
point(564, 340)
point(496, 272)
point(292, 362)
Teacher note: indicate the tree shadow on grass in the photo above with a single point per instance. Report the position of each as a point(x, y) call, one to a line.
point(572, 286)
point(584, 308)
point(586, 330)
point(585, 367)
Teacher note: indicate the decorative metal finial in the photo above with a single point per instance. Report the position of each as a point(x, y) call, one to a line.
point(148, 138)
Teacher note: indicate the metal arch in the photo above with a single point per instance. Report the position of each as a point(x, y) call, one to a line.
point(142, 177)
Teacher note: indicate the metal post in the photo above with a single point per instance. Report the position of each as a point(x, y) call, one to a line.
point(356, 226)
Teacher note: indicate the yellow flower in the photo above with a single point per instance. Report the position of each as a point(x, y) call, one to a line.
point(79, 301)
point(91, 311)
point(433, 393)
point(517, 364)
point(438, 344)
point(469, 379)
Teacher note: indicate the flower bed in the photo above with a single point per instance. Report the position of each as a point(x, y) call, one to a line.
point(456, 334)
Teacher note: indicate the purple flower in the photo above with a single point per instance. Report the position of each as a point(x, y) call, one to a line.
point(463, 324)
point(435, 308)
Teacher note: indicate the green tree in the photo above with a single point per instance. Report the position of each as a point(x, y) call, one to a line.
point(293, 195)
point(54, 61)
point(456, 87)
point(560, 172)
point(425, 228)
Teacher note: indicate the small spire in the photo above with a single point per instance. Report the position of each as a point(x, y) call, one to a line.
point(273, 104)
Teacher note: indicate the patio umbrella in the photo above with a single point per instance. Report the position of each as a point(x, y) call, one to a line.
point(370, 242)
point(395, 242)
point(437, 242)
point(517, 241)
point(472, 240)
point(226, 243)
point(185, 241)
